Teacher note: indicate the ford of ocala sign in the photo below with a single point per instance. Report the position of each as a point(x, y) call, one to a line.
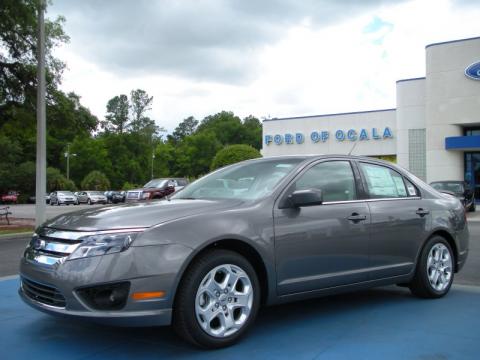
point(323, 136)
point(473, 71)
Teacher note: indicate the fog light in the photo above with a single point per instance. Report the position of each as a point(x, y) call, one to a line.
point(105, 297)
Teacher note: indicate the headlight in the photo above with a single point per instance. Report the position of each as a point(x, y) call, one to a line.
point(101, 244)
point(145, 195)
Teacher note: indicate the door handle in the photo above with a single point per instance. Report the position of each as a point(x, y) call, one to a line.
point(355, 217)
point(422, 212)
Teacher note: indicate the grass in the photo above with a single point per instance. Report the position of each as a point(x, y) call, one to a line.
point(15, 230)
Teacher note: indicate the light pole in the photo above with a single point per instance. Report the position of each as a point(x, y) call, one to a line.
point(67, 155)
point(153, 158)
point(41, 165)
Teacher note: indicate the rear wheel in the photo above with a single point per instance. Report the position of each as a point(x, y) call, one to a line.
point(472, 207)
point(435, 269)
point(217, 300)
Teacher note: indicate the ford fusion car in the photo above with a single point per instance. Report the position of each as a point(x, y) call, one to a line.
point(260, 232)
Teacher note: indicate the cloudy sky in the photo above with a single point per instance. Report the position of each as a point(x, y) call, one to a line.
point(269, 58)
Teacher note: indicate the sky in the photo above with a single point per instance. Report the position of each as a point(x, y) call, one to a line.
point(267, 58)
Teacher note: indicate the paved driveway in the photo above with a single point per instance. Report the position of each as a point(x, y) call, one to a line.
point(386, 323)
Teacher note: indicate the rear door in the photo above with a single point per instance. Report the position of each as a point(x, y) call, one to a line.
point(324, 245)
point(399, 220)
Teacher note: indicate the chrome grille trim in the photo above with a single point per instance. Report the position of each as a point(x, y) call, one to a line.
point(44, 294)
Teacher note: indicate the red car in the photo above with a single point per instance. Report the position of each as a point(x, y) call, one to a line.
point(157, 189)
point(11, 197)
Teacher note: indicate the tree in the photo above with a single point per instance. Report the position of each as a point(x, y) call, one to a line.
point(195, 153)
point(186, 128)
point(116, 119)
point(253, 132)
point(56, 181)
point(140, 103)
point(18, 45)
point(225, 125)
point(233, 154)
point(95, 180)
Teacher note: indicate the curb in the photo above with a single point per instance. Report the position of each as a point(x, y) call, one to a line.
point(16, 235)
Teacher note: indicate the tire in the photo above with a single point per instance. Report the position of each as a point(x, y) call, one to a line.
point(187, 311)
point(89, 202)
point(472, 207)
point(429, 265)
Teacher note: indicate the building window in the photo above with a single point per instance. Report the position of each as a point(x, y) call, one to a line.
point(417, 159)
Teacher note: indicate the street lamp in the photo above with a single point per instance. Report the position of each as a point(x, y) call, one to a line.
point(153, 157)
point(67, 155)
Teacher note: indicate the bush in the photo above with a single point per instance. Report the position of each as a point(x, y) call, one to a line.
point(95, 180)
point(56, 181)
point(127, 186)
point(232, 154)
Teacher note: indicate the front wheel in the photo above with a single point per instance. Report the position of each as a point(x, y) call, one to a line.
point(217, 300)
point(435, 269)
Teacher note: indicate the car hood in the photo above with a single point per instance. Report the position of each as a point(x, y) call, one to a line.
point(137, 215)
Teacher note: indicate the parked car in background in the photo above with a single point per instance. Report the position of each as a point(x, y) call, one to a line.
point(263, 231)
point(10, 197)
point(63, 198)
point(91, 197)
point(460, 189)
point(114, 197)
point(157, 189)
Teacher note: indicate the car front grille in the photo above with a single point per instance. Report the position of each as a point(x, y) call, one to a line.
point(44, 294)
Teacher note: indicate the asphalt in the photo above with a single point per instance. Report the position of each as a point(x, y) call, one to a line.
point(383, 323)
point(27, 211)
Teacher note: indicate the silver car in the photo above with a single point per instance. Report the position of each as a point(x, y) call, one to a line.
point(260, 232)
point(63, 198)
point(91, 197)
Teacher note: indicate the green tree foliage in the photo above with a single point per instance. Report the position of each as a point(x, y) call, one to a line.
point(116, 119)
point(18, 44)
point(96, 180)
point(140, 103)
point(186, 128)
point(56, 181)
point(234, 153)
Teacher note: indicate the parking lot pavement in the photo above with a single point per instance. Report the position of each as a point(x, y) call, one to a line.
point(386, 323)
point(27, 211)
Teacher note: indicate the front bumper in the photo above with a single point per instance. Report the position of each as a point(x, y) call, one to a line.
point(147, 269)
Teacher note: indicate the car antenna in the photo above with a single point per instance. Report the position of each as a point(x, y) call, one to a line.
point(353, 148)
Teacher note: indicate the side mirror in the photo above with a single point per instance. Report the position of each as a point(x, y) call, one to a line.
point(308, 197)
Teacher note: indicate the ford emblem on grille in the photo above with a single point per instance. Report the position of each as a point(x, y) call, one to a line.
point(39, 244)
point(473, 71)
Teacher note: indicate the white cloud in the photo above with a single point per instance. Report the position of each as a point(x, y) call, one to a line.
point(347, 65)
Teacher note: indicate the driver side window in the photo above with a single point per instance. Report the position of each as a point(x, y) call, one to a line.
point(334, 178)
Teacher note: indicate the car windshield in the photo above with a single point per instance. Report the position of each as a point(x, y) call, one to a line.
point(65, 193)
point(246, 181)
point(156, 183)
point(95, 193)
point(454, 187)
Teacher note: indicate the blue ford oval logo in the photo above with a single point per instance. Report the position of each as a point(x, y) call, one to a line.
point(473, 71)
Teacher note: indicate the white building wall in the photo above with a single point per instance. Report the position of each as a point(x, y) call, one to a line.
point(332, 123)
point(410, 115)
point(452, 101)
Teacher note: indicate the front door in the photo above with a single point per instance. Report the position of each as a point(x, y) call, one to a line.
point(324, 245)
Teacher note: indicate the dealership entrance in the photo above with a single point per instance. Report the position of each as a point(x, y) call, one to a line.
point(472, 172)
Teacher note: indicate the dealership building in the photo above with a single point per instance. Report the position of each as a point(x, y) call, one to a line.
point(434, 131)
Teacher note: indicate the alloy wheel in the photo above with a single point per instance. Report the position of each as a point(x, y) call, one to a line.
point(224, 300)
point(439, 267)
